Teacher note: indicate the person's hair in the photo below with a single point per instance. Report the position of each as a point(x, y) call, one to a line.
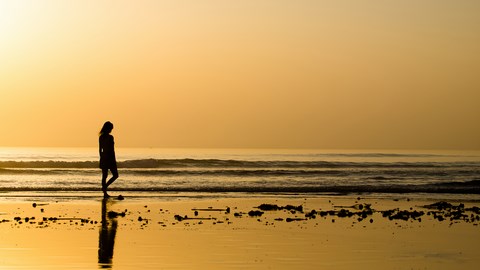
point(107, 128)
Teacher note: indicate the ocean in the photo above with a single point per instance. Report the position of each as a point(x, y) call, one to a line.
point(246, 171)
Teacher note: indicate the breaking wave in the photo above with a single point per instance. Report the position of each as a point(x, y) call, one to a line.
point(219, 163)
point(229, 175)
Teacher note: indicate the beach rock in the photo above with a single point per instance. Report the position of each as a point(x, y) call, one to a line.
point(294, 219)
point(296, 208)
point(311, 214)
point(344, 213)
point(474, 209)
point(273, 207)
point(255, 213)
point(120, 198)
point(327, 213)
point(439, 205)
point(268, 207)
point(396, 214)
point(34, 205)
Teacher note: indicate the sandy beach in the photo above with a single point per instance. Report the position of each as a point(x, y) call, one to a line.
point(239, 135)
point(227, 231)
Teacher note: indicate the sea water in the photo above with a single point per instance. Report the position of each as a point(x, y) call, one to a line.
point(250, 171)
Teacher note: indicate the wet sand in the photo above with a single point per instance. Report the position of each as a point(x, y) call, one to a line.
point(231, 232)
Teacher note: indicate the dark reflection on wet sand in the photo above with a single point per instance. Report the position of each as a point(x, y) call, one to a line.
point(106, 239)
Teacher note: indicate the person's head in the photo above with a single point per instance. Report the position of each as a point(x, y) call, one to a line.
point(107, 128)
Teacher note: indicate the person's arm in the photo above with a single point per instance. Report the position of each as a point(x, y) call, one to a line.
point(100, 147)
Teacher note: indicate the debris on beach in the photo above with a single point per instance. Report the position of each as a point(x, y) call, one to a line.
point(405, 215)
point(356, 206)
point(269, 214)
point(311, 214)
point(180, 218)
point(295, 219)
point(226, 210)
point(255, 213)
point(34, 205)
point(274, 207)
point(442, 211)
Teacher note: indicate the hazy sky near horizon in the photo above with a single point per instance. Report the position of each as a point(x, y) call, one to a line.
point(261, 74)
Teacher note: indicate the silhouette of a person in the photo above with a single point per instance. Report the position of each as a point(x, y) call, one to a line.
point(107, 156)
point(106, 239)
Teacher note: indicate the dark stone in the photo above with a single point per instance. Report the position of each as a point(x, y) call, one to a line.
point(343, 213)
point(296, 208)
point(439, 205)
point(323, 213)
point(268, 207)
point(311, 214)
point(294, 219)
point(272, 207)
point(255, 213)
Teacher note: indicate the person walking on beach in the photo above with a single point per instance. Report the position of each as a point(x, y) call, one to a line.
point(107, 156)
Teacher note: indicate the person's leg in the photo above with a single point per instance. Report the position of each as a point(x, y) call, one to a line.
point(104, 178)
point(104, 181)
point(114, 177)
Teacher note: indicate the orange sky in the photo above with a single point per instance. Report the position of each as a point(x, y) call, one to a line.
point(262, 74)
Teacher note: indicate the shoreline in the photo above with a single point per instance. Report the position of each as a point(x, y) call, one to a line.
point(197, 232)
point(192, 195)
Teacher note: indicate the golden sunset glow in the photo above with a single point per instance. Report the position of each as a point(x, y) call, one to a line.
point(261, 74)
